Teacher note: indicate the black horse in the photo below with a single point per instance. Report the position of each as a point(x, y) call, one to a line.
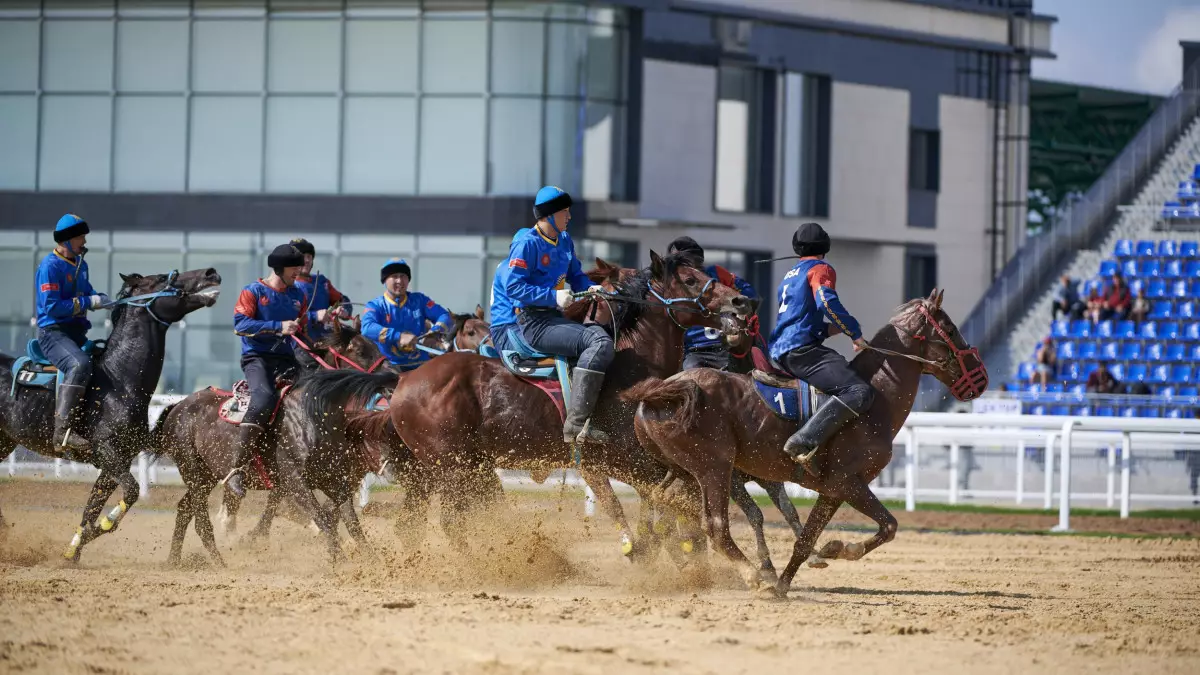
point(118, 399)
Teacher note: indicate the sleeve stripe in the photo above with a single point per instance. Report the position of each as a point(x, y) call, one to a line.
point(829, 310)
point(518, 262)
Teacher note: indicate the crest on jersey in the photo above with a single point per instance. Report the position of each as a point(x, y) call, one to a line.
point(545, 259)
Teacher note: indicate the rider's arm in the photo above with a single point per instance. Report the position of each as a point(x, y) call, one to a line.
point(823, 281)
point(519, 286)
point(439, 315)
point(576, 279)
point(336, 297)
point(245, 316)
point(50, 295)
point(372, 328)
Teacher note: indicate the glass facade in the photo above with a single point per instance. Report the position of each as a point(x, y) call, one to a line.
point(390, 97)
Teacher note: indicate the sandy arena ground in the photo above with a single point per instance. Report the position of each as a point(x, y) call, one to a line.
point(553, 595)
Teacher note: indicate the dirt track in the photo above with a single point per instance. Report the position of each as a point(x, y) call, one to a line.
point(554, 596)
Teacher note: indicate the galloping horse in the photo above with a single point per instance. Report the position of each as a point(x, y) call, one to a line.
point(118, 398)
point(707, 422)
point(463, 415)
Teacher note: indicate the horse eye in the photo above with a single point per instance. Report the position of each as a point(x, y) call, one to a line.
point(690, 281)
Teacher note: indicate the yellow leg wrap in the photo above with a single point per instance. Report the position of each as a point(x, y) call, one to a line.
point(626, 545)
point(660, 527)
point(686, 545)
point(643, 529)
point(74, 545)
point(110, 521)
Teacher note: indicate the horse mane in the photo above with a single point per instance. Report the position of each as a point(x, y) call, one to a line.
point(346, 333)
point(119, 311)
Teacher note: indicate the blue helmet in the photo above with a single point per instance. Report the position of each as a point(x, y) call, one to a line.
point(69, 227)
point(394, 266)
point(549, 201)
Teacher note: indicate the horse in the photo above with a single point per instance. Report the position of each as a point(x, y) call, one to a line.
point(704, 423)
point(117, 402)
point(462, 415)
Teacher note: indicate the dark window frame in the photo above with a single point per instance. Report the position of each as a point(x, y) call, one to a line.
point(925, 255)
point(763, 137)
point(924, 159)
point(818, 131)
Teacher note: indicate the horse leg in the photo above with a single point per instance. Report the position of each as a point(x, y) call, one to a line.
point(412, 520)
point(204, 526)
point(262, 529)
point(227, 516)
point(353, 525)
point(714, 496)
point(688, 516)
point(822, 512)
point(777, 491)
point(606, 497)
point(741, 497)
point(130, 492)
point(102, 489)
point(292, 482)
point(183, 517)
point(859, 496)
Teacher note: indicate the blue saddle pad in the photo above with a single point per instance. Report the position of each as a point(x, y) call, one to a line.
point(488, 351)
point(524, 348)
point(29, 373)
point(33, 351)
point(524, 366)
point(790, 403)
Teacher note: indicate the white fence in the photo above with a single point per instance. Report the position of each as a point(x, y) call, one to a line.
point(1119, 440)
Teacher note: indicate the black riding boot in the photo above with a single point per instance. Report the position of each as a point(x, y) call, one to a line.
point(248, 436)
point(585, 389)
point(816, 432)
point(67, 418)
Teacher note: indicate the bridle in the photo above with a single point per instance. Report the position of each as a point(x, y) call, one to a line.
point(971, 382)
point(146, 302)
point(337, 356)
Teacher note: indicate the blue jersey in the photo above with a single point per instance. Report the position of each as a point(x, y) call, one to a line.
point(324, 296)
point(63, 292)
point(259, 315)
point(807, 296)
point(699, 337)
point(385, 319)
point(536, 267)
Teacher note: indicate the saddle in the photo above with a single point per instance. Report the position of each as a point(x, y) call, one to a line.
point(233, 410)
point(788, 398)
point(550, 373)
point(35, 371)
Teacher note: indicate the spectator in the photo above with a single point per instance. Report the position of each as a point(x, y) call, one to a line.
point(1101, 381)
point(1137, 389)
point(1141, 306)
point(1117, 300)
point(1095, 306)
point(1046, 363)
point(1066, 300)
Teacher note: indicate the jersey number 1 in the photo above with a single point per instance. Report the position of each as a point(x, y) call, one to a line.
point(783, 298)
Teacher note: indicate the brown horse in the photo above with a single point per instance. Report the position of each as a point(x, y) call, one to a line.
point(302, 458)
point(706, 422)
point(463, 415)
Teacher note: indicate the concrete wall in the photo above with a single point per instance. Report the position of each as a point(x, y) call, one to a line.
point(964, 202)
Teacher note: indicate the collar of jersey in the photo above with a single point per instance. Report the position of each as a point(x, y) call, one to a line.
point(72, 263)
point(277, 290)
point(548, 240)
point(392, 300)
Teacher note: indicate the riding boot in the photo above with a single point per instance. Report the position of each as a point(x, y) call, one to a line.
point(248, 437)
point(67, 417)
point(817, 431)
point(585, 390)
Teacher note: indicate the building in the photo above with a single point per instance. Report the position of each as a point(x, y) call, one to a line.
point(203, 133)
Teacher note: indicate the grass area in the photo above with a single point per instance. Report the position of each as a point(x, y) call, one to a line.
point(1190, 514)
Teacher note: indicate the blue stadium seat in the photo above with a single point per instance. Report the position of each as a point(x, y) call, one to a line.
point(1117, 370)
point(1173, 268)
point(1149, 268)
point(1191, 331)
point(1171, 209)
point(1110, 351)
point(1136, 372)
point(1195, 355)
point(1081, 329)
point(1135, 286)
point(1188, 391)
point(1186, 190)
point(1104, 329)
point(1166, 391)
point(1032, 389)
point(1155, 351)
point(1125, 330)
point(1108, 268)
point(1123, 249)
point(1036, 410)
point(1189, 249)
point(1148, 330)
point(1105, 411)
point(1179, 288)
point(1129, 411)
point(1060, 329)
point(1078, 389)
point(1025, 371)
point(1168, 248)
point(1144, 249)
point(1156, 288)
point(1192, 269)
point(1071, 371)
point(1173, 413)
point(1082, 411)
point(1132, 351)
point(1186, 310)
point(1054, 388)
point(1129, 268)
point(1196, 172)
point(1160, 374)
point(1089, 350)
point(1060, 410)
point(1160, 309)
point(1151, 411)
point(1194, 289)
point(1181, 374)
point(1176, 351)
point(1168, 330)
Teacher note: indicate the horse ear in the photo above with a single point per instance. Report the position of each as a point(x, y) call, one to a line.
point(337, 328)
point(656, 265)
point(937, 304)
point(358, 322)
point(932, 296)
point(130, 278)
point(479, 312)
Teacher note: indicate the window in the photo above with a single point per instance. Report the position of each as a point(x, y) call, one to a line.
point(226, 144)
point(517, 57)
point(78, 56)
point(381, 56)
point(76, 142)
point(924, 160)
point(515, 165)
point(920, 271)
point(745, 140)
point(18, 55)
point(302, 140)
point(806, 145)
point(452, 146)
point(306, 56)
point(380, 149)
point(227, 55)
point(18, 142)
point(149, 148)
point(152, 55)
point(454, 56)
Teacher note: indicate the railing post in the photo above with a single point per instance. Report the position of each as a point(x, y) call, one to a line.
point(1126, 462)
point(143, 476)
point(910, 471)
point(589, 501)
point(1020, 472)
point(1111, 479)
point(58, 467)
point(1048, 478)
point(12, 463)
point(954, 472)
point(1064, 485)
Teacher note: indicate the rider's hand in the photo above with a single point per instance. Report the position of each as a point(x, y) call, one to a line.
point(563, 298)
point(341, 312)
point(860, 344)
point(290, 327)
point(98, 301)
point(408, 341)
point(323, 315)
point(596, 288)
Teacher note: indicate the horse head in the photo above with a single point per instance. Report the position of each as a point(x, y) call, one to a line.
point(953, 361)
point(347, 347)
point(704, 301)
point(169, 297)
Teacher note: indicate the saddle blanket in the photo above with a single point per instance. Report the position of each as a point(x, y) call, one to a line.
point(785, 399)
point(233, 410)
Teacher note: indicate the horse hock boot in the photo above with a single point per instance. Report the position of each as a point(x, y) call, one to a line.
point(585, 390)
point(67, 416)
point(248, 437)
point(803, 445)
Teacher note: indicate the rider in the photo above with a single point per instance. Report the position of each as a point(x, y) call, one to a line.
point(538, 279)
point(64, 296)
point(321, 291)
point(395, 319)
point(703, 347)
point(268, 312)
point(806, 297)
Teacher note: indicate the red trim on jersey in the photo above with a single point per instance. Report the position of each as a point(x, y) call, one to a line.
point(822, 275)
point(49, 287)
point(518, 262)
point(247, 304)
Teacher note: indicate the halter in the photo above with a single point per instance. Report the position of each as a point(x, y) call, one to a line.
point(337, 356)
point(146, 301)
point(971, 383)
point(668, 303)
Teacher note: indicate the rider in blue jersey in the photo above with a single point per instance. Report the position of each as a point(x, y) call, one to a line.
point(703, 347)
point(64, 297)
point(807, 296)
point(321, 293)
point(397, 318)
point(537, 281)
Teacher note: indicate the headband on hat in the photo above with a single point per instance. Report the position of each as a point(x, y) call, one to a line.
point(549, 201)
point(69, 227)
point(394, 266)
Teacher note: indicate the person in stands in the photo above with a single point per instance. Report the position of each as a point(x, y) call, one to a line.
point(1095, 306)
point(1066, 300)
point(1046, 361)
point(1117, 300)
point(1141, 306)
point(1101, 381)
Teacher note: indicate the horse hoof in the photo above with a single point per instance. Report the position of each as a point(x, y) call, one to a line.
point(768, 576)
point(626, 546)
point(770, 593)
point(854, 551)
point(816, 562)
point(686, 546)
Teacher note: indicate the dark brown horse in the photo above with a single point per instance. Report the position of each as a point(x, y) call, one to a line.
point(707, 422)
point(464, 415)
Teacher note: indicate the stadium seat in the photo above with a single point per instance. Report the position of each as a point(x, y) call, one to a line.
point(1191, 331)
point(1180, 374)
point(1060, 410)
point(1036, 410)
point(1165, 391)
point(1082, 411)
point(1031, 388)
point(1071, 372)
point(1150, 411)
point(1136, 372)
point(1173, 268)
point(1105, 411)
point(1132, 351)
point(1078, 389)
point(1025, 371)
point(1176, 351)
point(1135, 286)
point(1148, 330)
point(1168, 248)
point(1179, 288)
point(1194, 289)
point(1129, 268)
point(1108, 268)
point(1196, 172)
point(1160, 309)
point(1168, 330)
point(1160, 374)
point(1149, 268)
point(1189, 249)
point(1186, 190)
point(1173, 413)
point(1155, 351)
point(1192, 269)
point(1188, 391)
point(1081, 329)
point(1060, 329)
point(1156, 288)
point(1195, 355)
point(1186, 310)
point(1171, 209)
point(1104, 329)
point(1117, 370)
point(1110, 351)
point(1089, 350)
point(1125, 330)
point(1123, 249)
point(1054, 388)
point(1129, 411)
point(1144, 249)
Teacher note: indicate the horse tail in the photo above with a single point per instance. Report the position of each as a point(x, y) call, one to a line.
point(158, 433)
point(327, 391)
point(661, 396)
point(369, 425)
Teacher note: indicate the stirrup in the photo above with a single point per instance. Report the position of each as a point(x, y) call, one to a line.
point(235, 470)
